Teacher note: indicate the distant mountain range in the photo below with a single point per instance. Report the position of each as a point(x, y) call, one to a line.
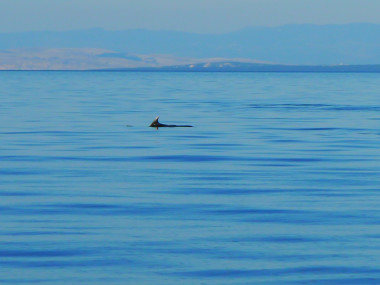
point(99, 59)
point(350, 44)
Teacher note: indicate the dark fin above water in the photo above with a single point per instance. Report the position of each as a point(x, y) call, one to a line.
point(157, 124)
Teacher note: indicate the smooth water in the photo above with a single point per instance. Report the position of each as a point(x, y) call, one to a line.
point(277, 183)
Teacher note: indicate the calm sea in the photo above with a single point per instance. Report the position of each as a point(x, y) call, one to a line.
point(278, 182)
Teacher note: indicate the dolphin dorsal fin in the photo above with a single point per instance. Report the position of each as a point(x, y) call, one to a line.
point(155, 122)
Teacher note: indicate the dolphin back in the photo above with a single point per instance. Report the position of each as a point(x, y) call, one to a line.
point(157, 124)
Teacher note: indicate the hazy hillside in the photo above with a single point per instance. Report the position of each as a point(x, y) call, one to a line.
point(232, 66)
point(91, 58)
point(291, 44)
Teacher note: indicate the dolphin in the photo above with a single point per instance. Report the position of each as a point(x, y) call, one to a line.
point(156, 124)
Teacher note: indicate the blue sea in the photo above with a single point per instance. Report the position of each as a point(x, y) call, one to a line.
point(278, 182)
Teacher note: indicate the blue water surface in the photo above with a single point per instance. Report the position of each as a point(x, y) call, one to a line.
point(278, 182)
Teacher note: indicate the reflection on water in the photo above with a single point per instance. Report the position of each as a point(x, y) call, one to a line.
point(277, 183)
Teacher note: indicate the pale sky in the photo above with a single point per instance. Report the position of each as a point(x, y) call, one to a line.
point(200, 16)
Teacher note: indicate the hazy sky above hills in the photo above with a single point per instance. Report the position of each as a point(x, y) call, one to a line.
point(201, 16)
